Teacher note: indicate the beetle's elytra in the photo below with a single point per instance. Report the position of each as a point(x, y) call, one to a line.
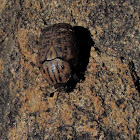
point(57, 55)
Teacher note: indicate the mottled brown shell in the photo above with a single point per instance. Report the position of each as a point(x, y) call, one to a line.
point(57, 47)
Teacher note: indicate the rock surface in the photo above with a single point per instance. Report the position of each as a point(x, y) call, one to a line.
point(103, 105)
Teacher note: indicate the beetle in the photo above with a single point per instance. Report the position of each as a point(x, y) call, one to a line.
point(58, 54)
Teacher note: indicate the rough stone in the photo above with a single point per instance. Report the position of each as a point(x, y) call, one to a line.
point(104, 103)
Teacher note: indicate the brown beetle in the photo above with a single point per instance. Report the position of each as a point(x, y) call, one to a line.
point(57, 55)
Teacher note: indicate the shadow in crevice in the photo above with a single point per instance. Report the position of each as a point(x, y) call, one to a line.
point(134, 75)
point(84, 43)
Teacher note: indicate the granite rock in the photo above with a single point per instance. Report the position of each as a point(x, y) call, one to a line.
point(103, 104)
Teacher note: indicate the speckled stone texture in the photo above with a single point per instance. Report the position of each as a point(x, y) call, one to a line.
point(103, 105)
